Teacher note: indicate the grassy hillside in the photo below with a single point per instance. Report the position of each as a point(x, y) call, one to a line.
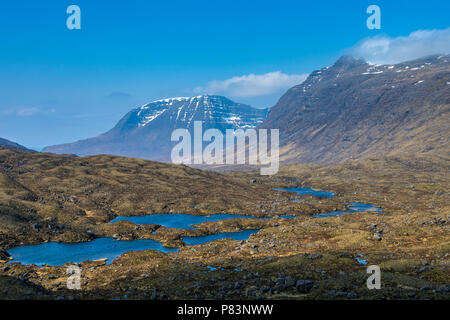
point(46, 197)
point(66, 195)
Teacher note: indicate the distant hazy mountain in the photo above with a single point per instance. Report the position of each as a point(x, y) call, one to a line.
point(355, 110)
point(12, 145)
point(145, 131)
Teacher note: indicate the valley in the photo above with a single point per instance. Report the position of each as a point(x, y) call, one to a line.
point(297, 258)
point(363, 180)
point(202, 159)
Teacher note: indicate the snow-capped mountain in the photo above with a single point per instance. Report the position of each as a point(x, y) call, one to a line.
point(354, 109)
point(218, 111)
point(145, 131)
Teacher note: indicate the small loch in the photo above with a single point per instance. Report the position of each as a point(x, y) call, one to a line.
point(360, 259)
point(242, 235)
point(56, 254)
point(180, 220)
point(308, 191)
point(352, 208)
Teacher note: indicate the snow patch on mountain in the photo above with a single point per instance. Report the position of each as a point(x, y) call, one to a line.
point(213, 109)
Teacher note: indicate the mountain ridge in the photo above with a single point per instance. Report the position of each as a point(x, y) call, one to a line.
point(354, 109)
point(145, 132)
point(4, 143)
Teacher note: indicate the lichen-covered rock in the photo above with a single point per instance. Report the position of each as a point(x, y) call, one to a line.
point(304, 286)
point(4, 255)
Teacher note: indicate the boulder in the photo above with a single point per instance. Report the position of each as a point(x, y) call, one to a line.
point(4, 255)
point(304, 286)
point(315, 256)
point(377, 236)
point(289, 282)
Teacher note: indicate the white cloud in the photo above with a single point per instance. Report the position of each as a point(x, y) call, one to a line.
point(117, 95)
point(252, 85)
point(386, 50)
point(27, 111)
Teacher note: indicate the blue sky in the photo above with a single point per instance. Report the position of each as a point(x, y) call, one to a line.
point(59, 85)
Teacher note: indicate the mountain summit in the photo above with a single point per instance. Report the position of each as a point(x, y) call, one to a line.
point(145, 131)
point(357, 110)
point(215, 111)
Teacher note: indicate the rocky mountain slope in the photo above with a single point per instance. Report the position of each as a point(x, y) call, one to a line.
point(13, 145)
point(145, 131)
point(357, 110)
